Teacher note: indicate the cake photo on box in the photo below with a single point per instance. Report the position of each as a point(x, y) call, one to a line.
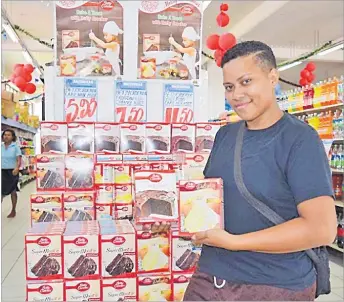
point(205, 136)
point(79, 171)
point(183, 138)
point(119, 289)
point(53, 137)
point(158, 138)
point(180, 283)
point(107, 136)
point(155, 287)
point(50, 172)
point(78, 206)
point(46, 207)
point(200, 205)
point(80, 137)
point(133, 138)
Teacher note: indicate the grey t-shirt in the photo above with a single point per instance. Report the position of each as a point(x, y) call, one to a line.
point(283, 166)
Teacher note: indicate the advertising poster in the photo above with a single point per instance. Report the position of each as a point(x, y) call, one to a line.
point(80, 100)
point(169, 40)
point(131, 101)
point(89, 38)
point(178, 103)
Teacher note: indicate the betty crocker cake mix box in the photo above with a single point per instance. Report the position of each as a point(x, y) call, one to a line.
point(45, 291)
point(46, 207)
point(179, 284)
point(119, 289)
point(82, 290)
point(155, 287)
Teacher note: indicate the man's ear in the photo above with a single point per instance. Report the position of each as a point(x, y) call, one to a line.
point(274, 76)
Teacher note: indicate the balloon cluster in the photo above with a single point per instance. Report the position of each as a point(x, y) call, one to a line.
point(306, 75)
point(21, 77)
point(224, 42)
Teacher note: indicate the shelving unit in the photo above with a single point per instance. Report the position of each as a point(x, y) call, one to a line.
point(336, 247)
point(339, 203)
point(324, 108)
point(12, 123)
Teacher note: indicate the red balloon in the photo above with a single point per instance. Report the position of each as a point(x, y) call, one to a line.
point(222, 19)
point(213, 42)
point(28, 77)
point(30, 88)
point(20, 82)
point(19, 72)
point(218, 53)
point(29, 68)
point(12, 78)
point(22, 89)
point(304, 74)
point(303, 82)
point(224, 7)
point(17, 65)
point(310, 67)
point(311, 78)
point(227, 41)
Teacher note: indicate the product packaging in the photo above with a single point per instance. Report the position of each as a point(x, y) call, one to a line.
point(205, 136)
point(44, 291)
point(122, 211)
point(53, 137)
point(122, 174)
point(194, 166)
point(70, 38)
point(148, 68)
point(158, 138)
point(81, 138)
point(155, 196)
point(67, 65)
point(79, 172)
point(104, 174)
point(46, 207)
point(155, 287)
point(82, 290)
point(109, 158)
point(105, 194)
point(107, 137)
point(183, 138)
point(119, 289)
point(50, 172)
point(133, 137)
point(200, 205)
point(104, 211)
point(118, 250)
point(123, 194)
point(151, 42)
point(179, 285)
point(78, 206)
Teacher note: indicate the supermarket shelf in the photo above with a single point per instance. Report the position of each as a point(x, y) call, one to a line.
point(318, 109)
point(12, 123)
point(26, 180)
point(336, 171)
point(336, 247)
point(339, 203)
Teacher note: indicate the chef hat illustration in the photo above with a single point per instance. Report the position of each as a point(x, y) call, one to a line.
point(112, 28)
point(190, 34)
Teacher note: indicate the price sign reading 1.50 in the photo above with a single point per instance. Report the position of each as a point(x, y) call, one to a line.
point(178, 115)
point(129, 114)
point(80, 110)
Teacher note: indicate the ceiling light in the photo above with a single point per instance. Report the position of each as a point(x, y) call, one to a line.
point(11, 33)
point(285, 67)
point(331, 49)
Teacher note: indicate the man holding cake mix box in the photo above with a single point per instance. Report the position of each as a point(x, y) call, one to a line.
point(278, 196)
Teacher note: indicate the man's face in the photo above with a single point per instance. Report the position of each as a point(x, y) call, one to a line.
point(249, 87)
point(8, 137)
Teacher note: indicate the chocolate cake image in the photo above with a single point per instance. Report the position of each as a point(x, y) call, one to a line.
point(181, 143)
point(158, 143)
point(79, 215)
point(120, 265)
point(106, 143)
point(134, 143)
point(188, 260)
point(46, 266)
point(204, 143)
point(48, 217)
point(80, 143)
point(52, 143)
point(72, 44)
point(154, 202)
point(51, 179)
point(153, 47)
point(82, 267)
point(80, 180)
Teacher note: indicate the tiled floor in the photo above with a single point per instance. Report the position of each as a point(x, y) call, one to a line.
point(12, 247)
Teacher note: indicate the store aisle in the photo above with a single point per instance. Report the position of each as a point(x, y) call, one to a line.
point(12, 245)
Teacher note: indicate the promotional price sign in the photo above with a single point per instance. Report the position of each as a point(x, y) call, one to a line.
point(178, 103)
point(80, 100)
point(131, 101)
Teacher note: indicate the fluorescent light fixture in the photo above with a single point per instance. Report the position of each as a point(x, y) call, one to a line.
point(289, 65)
point(27, 56)
point(11, 33)
point(331, 49)
point(205, 4)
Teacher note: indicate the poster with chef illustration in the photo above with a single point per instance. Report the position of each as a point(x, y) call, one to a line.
point(169, 40)
point(89, 38)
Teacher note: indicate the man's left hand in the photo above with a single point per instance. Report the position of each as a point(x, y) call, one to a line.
point(215, 237)
point(15, 172)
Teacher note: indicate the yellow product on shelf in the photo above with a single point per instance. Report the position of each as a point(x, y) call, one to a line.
point(33, 121)
point(24, 113)
point(317, 96)
point(314, 121)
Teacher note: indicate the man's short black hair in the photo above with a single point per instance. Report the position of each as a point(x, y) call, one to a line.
point(14, 137)
point(262, 52)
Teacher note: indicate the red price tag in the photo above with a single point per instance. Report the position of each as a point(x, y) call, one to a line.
point(78, 110)
point(178, 115)
point(129, 114)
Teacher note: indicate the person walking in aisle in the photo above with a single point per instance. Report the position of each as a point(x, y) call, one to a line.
point(10, 164)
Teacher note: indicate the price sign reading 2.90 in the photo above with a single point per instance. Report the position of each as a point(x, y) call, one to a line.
point(80, 100)
point(131, 101)
point(178, 103)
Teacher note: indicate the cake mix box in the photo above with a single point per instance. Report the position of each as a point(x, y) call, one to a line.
point(158, 138)
point(205, 136)
point(53, 137)
point(104, 174)
point(155, 196)
point(104, 211)
point(155, 287)
point(119, 289)
point(122, 174)
point(44, 291)
point(153, 251)
point(50, 172)
point(109, 158)
point(122, 211)
point(200, 205)
point(80, 137)
point(151, 42)
point(118, 250)
point(82, 290)
point(194, 166)
point(46, 207)
point(79, 172)
point(180, 283)
point(105, 194)
point(133, 138)
point(123, 194)
point(70, 38)
point(183, 138)
point(78, 206)
point(107, 137)
point(185, 254)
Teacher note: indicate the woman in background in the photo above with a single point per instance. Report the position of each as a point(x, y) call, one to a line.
point(10, 164)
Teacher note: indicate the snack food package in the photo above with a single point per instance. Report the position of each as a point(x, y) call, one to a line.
point(44, 291)
point(50, 172)
point(133, 138)
point(158, 138)
point(200, 205)
point(80, 137)
point(78, 206)
point(183, 138)
point(79, 172)
point(151, 42)
point(118, 250)
point(205, 136)
point(155, 287)
point(180, 283)
point(105, 194)
point(194, 166)
point(46, 207)
point(155, 196)
point(185, 254)
point(104, 174)
point(53, 137)
point(107, 136)
point(82, 290)
point(153, 251)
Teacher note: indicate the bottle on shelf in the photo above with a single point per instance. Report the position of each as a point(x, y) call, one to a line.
point(340, 90)
point(334, 156)
point(340, 233)
point(333, 91)
point(317, 96)
point(339, 158)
